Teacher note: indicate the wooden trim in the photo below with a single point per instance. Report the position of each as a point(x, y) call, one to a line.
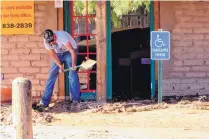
point(109, 52)
point(156, 27)
point(152, 62)
point(66, 27)
point(61, 81)
point(157, 15)
point(101, 50)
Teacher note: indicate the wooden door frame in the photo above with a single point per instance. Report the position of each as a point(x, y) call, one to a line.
point(154, 25)
point(61, 85)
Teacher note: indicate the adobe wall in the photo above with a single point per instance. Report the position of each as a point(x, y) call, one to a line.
point(25, 55)
point(187, 72)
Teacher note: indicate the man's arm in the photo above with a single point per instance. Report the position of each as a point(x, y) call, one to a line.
point(55, 58)
point(73, 54)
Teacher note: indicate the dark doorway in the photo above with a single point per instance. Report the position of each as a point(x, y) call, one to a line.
point(131, 76)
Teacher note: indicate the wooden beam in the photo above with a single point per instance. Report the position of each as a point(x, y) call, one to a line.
point(157, 14)
point(61, 81)
point(101, 50)
point(157, 26)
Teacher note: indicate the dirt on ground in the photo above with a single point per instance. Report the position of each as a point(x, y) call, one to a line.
point(185, 119)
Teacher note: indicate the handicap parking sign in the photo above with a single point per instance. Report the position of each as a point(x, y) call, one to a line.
point(160, 45)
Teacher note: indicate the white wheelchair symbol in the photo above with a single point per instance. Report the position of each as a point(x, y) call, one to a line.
point(159, 42)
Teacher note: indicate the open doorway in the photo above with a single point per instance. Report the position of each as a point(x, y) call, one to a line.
point(130, 41)
point(130, 47)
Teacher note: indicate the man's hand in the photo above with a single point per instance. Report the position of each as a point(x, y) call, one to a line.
point(61, 69)
point(73, 68)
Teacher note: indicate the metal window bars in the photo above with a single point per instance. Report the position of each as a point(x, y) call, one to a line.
point(83, 27)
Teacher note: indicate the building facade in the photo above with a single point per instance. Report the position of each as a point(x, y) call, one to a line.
point(186, 73)
point(24, 55)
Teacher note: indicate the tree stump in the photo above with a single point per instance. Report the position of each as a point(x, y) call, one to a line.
point(22, 108)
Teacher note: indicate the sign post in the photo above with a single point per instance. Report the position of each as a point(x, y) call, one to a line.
point(160, 62)
point(160, 50)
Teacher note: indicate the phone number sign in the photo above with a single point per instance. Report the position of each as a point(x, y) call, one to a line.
point(17, 17)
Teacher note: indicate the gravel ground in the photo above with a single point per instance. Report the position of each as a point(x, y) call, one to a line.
point(128, 120)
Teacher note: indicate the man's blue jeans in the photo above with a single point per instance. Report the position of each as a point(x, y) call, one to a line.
point(74, 85)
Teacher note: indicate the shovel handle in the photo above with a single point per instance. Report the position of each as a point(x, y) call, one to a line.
point(71, 68)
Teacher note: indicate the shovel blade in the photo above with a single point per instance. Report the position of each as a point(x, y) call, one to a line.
point(88, 64)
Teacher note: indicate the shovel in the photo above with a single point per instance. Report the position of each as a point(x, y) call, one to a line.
point(85, 65)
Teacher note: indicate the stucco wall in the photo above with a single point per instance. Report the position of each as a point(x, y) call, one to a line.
point(187, 73)
point(24, 55)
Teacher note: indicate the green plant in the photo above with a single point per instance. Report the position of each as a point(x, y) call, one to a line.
point(118, 8)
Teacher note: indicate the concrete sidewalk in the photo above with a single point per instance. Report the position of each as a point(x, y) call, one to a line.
point(88, 132)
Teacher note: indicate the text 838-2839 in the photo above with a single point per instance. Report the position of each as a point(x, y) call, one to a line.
point(17, 25)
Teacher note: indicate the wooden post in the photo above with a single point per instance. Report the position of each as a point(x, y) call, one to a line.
point(101, 50)
point(157, 26)
point(22, 108)
point(61, 78)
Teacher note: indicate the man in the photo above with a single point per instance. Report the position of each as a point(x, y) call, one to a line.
point(61, 48)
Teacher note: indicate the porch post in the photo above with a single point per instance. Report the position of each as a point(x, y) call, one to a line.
point(156, 27)
point(61, 81)
point(101, 50)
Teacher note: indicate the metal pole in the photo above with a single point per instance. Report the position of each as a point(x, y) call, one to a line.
point(160, 81)
point(160, 62)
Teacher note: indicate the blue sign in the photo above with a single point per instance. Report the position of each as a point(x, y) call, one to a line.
point(160, 45)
